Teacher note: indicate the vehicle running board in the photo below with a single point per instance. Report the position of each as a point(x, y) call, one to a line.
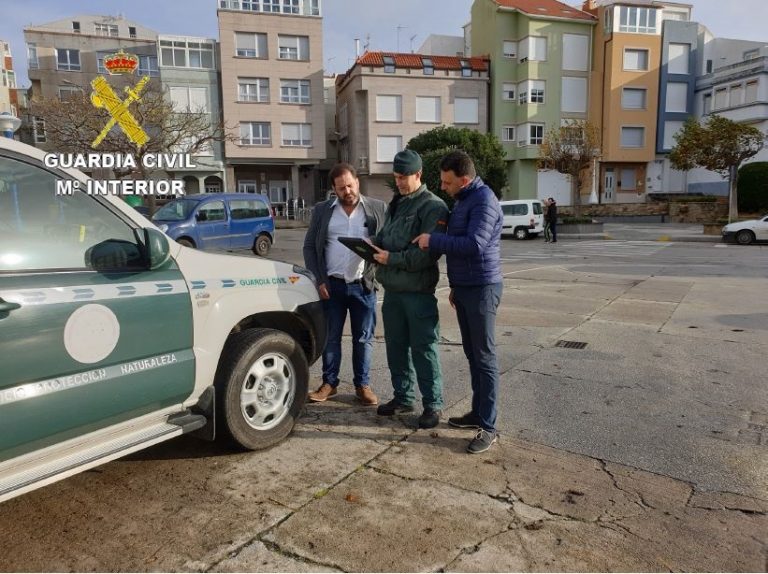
point(83, 456)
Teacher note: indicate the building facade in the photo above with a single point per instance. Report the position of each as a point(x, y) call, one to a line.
point(386, 98)
point(540, 53)
point(8, 98)
point(272, 97)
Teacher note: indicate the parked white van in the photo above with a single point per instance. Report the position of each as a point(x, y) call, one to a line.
point(523, 218)
point(113, 337)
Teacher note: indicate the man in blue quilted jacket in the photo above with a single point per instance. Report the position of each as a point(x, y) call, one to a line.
point(472, 249)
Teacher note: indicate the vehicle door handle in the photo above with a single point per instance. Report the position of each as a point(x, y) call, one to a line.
point(6, 306)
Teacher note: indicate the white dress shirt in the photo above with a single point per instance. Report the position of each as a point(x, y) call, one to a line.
point(341, 261)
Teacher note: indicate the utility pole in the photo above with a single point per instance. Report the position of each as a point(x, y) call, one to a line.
point(399, 27)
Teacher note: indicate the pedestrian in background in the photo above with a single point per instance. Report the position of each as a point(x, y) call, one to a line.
point(472, 246)
point(346, 283)
point(552, 214)
point(409, 277)
point(547, 229)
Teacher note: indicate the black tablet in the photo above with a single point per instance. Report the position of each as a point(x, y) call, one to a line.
point(360, 246)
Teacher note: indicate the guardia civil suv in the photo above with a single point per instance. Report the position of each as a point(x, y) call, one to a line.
point(114, 337)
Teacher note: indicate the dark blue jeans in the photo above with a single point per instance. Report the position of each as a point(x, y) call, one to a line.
point(476, 311)
point(361, 305)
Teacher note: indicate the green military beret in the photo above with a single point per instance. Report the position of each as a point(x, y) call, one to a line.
point(407, 162)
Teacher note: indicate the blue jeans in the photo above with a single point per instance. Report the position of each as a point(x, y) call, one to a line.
point(476, 311)
point(361, 305)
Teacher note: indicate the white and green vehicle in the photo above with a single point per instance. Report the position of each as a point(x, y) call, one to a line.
point(113, 337)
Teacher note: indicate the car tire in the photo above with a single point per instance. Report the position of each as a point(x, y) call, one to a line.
point(261, 245)
point(521, 233)
point(261, 385)
point(186, 242)
point(745, 237)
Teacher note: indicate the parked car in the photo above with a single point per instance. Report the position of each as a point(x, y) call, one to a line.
point(746, 232)
point(219, 221)
point(523, 218)
point(114, 338)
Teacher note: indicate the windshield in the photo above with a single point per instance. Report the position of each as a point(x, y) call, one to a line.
point(177, 210)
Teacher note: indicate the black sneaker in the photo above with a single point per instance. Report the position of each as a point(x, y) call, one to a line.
point(482, 441)
point(393, 407)
point(429, 419)
point(467, 421)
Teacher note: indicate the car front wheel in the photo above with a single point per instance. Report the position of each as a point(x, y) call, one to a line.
point(261, 245)
point(745, 237)
point(261, 386)
point(521, 233)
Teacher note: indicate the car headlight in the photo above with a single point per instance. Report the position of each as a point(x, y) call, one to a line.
point(163, 227)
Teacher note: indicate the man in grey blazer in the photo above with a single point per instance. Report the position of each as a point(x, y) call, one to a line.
point(346, 283)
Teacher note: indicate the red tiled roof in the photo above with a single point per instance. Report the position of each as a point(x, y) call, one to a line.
point(551, 8)
point(414, 61)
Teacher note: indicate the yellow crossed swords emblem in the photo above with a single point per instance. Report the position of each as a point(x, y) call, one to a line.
point(103, 96)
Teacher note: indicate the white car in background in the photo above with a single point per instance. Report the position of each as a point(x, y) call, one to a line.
point(746, 232)
point(523, 218)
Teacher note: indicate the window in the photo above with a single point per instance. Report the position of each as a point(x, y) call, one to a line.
point(536, 134)
point(428, 109)
point(387, 147)
point(255, 133)
point(675, 15)
point(465, 111)
point(69, 231)
point(187, 54)
point(67, 59)
point(147, 66)
point(507, 133)
point(670, 131)
point(212, 186)
point(253, 90)
point(709, 66)
point(105, 29)
point(66, 92)
point(290, 6)
point(632, 136)
point(271, 5)
point(389, 108)
point(508, 91)
point(637, 20)
point(750, 93)
point(721, 98)
point(188, 99)
point(294, 91)
point(677, 97)
point(515, 209)
point(343, 120)
point(297, 135)
point(574, 95)
point(509, 49)
point(248, 208)
point(608, 21)
point(679, 58)
point(250, 45)
point(751, 54)
point(131, 31)
point(707, 103)
point(736, 96)
point(247, 186)
point(522, 93)
point(636, 60)
point(293, 47)
point(211, 211)
point(428, 67)
point(11, 78)
point(314, 7)
point(389, 65)
point(533, 48)
point(627, 180)
point(466, 69)
point(32, 60)
point(575, 52)
point(634, 98)
point(76, 27)
point(38, 130)
point(537, 92)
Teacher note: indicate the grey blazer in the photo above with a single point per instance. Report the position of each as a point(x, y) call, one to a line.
point(317, 235)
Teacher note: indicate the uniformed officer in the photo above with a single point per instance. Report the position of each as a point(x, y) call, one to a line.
point(409, 276)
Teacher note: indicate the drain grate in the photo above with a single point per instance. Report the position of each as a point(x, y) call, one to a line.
point(571, 344)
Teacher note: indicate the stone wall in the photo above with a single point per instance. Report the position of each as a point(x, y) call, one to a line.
point(676, 212)
point(697, 212)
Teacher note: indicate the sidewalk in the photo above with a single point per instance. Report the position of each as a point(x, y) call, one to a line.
point(282, 223)
point(649, 232)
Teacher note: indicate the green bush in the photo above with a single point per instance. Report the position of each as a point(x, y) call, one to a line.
point(753, 187)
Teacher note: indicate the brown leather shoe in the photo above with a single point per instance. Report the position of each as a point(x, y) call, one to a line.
point(366, 396)
point(322, 394)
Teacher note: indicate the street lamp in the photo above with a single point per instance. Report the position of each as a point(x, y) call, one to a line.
point(8, 124)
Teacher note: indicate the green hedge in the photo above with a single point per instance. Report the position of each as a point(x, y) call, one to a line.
point(753, 187)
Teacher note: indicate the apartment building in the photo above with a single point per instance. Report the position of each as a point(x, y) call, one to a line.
point(732, 82)
point(8, 99)
point(272, 96)
point(189, 69)
point(65, 55)
point(540, 53)
point(387, 98)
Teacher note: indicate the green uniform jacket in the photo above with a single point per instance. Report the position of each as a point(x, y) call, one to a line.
point(408, 267)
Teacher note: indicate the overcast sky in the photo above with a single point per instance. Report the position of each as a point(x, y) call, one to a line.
point(344, 20)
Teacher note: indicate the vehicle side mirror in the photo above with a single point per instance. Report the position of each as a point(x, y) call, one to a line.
point(201, 216)
point(158, 250)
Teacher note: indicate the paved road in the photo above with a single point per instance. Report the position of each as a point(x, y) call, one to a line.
point(646, 449)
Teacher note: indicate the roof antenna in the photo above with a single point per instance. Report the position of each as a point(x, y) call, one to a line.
point(412, 39)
